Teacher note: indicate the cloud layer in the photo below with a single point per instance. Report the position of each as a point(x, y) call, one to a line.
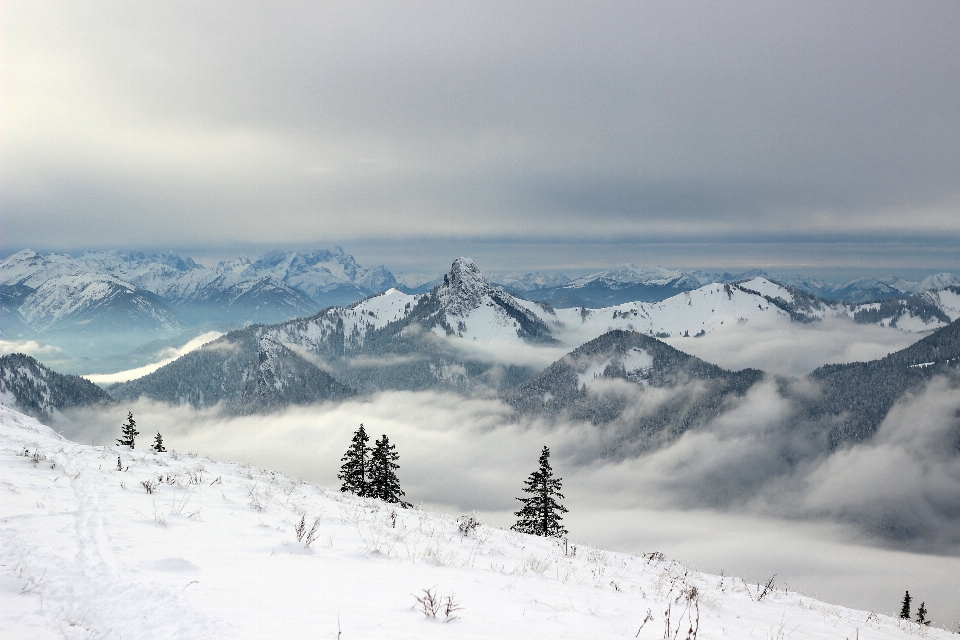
point(189, 125)
point(164, 357)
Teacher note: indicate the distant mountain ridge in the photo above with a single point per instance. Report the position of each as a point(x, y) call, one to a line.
point(630, 283)
point(442, 339)
point(165, 292)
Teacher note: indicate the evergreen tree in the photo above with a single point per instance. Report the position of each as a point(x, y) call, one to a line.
point(129, 432)
point(922, 613)
point(905, 607)
point(541, 513)
point(158, 444)
point(355, 468)
point(383, 482)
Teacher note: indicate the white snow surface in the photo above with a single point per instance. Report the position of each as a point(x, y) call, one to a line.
point(86, 552)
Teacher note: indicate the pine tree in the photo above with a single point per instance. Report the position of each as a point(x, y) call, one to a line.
point(541, 513)
point(355, 468)
point(905, 607)
point(158, 444)
point(383, 481)
point(129, 432)
point(922, 613)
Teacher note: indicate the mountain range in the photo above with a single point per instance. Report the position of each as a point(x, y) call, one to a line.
point(631, 283)
point(162, 293)
point(460, 336)
point(465, 337)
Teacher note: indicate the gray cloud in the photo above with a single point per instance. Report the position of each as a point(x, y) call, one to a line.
point(190, 125)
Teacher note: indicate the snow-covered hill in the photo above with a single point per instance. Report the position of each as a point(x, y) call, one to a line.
point(101, 542)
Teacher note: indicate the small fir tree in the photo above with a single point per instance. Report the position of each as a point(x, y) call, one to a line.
point(922, 613)
point(158, 444)
point(129, 432)
point(383, 482)
point(354, 471)
point(905, 606)
point(541, 513)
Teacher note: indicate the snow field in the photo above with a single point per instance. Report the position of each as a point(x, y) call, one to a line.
point(178, 546)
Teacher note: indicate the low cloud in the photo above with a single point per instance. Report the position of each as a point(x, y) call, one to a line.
point(508, 352)
point(164, 357)
point(28, 347)
point(387, 360)
point(792, 348)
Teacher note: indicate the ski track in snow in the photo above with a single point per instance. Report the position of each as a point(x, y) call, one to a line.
point(87, 553)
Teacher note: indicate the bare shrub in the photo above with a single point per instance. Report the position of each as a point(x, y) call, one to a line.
point(648, 618)
point(307, 537)
point(654, 556)
point(673, 629)
point(259, 498)
point(767, 588)
point(149, 486)
point(180, 506)
point(466, 524)
point(433, 605)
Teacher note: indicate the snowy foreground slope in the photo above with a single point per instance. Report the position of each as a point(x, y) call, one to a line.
point(212, 552)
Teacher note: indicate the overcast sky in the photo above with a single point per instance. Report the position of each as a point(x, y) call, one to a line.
point(536, 135)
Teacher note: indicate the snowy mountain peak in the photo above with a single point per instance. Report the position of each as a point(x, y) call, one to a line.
point(630, 274)
point(532, 281)
point(463, 288)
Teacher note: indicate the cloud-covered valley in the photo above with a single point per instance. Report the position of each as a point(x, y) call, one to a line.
point(758, 470)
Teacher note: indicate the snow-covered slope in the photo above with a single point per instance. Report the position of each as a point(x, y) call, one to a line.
point(319, 273)
point(211, 551)
point(95, 301)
